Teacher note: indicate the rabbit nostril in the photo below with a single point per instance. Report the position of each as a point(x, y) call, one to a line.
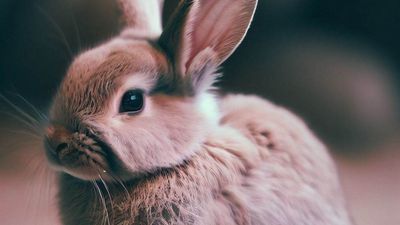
point(61, 147)
point(49, 131)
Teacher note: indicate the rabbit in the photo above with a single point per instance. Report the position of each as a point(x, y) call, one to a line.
point(139, 135)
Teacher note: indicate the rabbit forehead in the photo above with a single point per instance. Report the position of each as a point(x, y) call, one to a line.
point(96, 75)
point(117, 58)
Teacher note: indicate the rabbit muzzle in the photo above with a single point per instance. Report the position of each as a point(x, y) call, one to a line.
point(76, 153)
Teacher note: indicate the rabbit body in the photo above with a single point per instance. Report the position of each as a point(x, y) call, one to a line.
point(139, 138)
point(262, 165)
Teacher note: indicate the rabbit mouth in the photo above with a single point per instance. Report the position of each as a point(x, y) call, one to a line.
point(81, 156)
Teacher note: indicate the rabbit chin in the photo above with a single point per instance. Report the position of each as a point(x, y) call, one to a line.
point(87, 173)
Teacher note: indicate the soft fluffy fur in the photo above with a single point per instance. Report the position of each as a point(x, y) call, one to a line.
point(263, 167)
point(187, 158)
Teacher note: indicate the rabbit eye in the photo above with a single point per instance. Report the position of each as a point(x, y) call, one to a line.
point(132, 101)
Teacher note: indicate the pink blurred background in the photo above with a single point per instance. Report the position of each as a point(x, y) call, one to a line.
point(335, 63)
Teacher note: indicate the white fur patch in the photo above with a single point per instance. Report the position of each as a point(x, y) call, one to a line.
point(207, 105)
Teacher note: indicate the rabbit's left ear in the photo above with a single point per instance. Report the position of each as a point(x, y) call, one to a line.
point(205, 33)
point(143, 17)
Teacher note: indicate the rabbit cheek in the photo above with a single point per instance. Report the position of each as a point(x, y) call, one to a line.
point(145, 145)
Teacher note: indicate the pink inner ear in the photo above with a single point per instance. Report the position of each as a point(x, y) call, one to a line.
point(208, 20)
point(218, 24)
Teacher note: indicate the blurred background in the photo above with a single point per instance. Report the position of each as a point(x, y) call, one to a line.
point(335, 63)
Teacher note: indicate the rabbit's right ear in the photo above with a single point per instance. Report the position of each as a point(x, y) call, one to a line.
point(204, 33)
point(143, 17)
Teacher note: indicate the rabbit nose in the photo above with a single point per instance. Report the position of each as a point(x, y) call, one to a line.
point(57, 138)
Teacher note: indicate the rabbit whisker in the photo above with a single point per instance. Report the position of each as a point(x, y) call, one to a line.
point(36, 170)
point(103, 201)
point(32, 120)
point(40, 114)
point(30, 126)
point(120, 182)
point(77, 33)
point(24, 132)
point(58, 29)
point(109, 195)
point(94, 193)
point(50, 175)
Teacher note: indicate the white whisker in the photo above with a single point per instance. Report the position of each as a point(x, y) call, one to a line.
point(109, 196)
point(41, 115)
point(77, 33)
point(19, 110)
point(120, 182)
point(58, 29)
point(34, 128)
point(107, 217)
point(24, 132)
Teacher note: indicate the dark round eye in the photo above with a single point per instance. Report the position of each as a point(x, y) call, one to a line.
point(132, 101)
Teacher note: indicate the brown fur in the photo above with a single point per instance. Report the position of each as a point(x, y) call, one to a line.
point(185, 158)
point(101, 76)
point(284, 177)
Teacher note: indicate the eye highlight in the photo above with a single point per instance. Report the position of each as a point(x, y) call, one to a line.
point(132, 102)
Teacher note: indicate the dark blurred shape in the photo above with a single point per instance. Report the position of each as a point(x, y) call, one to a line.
point(40, 39)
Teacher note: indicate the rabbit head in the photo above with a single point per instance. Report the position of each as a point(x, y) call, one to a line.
point(140, 102)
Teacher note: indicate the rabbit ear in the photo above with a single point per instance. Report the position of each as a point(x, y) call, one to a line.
point(143, 17)
point(206, 32)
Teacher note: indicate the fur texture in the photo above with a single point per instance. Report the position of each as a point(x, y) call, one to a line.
point(142, 18)
point(249, 171)
point(186, 157)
